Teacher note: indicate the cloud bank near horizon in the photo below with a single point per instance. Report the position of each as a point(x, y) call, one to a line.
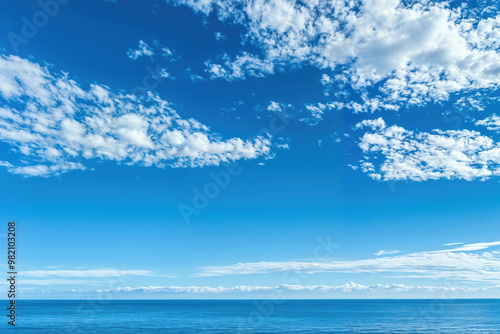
point(280, 292)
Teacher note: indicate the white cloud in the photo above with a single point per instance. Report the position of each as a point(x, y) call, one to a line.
point(85, 273)
point(414, 51)
point(166, 52)
point(371, 123)
point(347, 287)
point(165, 74)
point(195, 77)
point(491, 123)
point(58, 281)
point(453, 243)
point(56, 125)
point(472, 247)
point(287, 291)
point(274, 106)
point(244, 65)
point(386, 252)
point(394, 153)
point(193, 289)
point(220, 36)
point(143, 50)
point(316, 110)
point(458, 264)
point(326, 79)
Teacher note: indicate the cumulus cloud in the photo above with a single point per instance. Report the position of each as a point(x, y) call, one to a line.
point(413, 52)
point(56, 125)
point(458, 264)
point(143, 50)
point(395, 153)
point(243, 66)
point(491, 123)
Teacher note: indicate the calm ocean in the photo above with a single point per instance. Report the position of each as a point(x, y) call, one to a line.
point(257, 316)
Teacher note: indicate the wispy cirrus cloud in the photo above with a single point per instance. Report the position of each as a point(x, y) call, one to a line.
point(56, 125)
point(76, 277)
point(386, 252)
point(284, 291)
point(458, 264)
point(60, 281)
point(472, 247)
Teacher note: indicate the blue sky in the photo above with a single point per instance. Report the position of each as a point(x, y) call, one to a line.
point(355, 144)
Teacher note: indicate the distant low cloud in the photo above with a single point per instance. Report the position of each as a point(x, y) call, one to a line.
point(395, 153)
point(491, 123)
point(85, 273)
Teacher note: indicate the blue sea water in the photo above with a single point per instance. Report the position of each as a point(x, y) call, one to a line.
point(256, 316)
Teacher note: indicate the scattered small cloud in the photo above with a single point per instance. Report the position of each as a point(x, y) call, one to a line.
point(219, 36)
point(244, 65)
point(143, 50)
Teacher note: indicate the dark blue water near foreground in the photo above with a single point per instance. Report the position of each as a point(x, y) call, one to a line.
point(259, 316)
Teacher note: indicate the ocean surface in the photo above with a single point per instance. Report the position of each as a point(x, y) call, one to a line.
point(256, 316)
